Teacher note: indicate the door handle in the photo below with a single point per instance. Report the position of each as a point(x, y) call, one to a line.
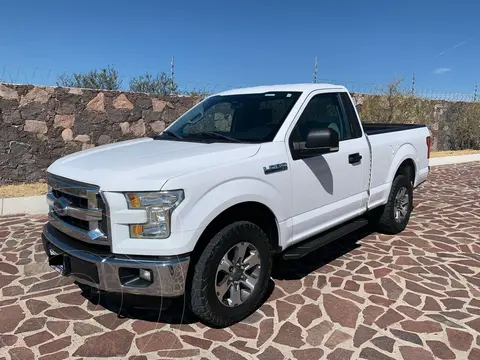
point(354, 158)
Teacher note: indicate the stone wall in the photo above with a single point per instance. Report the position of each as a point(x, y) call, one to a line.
point(40, 124)
point(429, 112)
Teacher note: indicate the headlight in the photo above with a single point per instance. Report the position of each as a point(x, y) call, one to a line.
point(159, 207)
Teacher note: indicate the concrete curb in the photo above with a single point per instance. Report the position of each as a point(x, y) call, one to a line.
point(32, 205)
point(24, 205)
point(448, 160)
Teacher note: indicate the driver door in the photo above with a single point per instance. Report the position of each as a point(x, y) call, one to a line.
point(326, 188)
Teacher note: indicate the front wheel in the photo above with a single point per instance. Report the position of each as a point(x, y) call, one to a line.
point(231, 276)
point(394, 216)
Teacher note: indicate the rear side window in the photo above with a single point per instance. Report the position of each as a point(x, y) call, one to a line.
point(351, 116)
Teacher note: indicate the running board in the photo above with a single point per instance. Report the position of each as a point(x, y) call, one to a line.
point(307, 246)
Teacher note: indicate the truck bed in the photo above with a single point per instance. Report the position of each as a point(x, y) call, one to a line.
point(390, 144)
point(379, 128)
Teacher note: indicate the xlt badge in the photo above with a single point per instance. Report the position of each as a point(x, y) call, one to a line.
point(275, 168)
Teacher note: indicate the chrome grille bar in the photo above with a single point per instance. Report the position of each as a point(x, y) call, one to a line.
point(91, 236)
point(79, 213)
point(74, 188)
point(80, 219)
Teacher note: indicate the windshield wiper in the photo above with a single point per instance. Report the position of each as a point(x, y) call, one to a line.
point(218, 136)
point(170, 133)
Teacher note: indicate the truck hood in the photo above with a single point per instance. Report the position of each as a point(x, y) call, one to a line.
point(146, 164)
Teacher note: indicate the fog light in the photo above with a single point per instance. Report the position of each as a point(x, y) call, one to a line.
point(146, 275)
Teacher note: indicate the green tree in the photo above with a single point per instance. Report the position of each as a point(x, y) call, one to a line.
point(159, 84)
point(105, 79)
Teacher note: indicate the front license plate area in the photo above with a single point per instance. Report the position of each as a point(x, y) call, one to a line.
point(58, 260)
point(67, 265)
point(83, 270)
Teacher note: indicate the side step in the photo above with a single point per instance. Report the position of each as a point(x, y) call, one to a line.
point(298, 251)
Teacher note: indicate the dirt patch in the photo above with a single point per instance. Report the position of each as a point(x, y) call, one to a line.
point(436, 154)
point(8, 191)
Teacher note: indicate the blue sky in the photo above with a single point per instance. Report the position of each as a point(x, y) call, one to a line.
point(224, 44)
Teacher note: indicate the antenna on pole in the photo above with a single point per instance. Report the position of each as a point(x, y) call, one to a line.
point(475, 92)
point(413, 83)
point(315, 69)
point(172, 69)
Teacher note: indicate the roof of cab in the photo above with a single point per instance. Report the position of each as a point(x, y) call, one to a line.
point(308, 87)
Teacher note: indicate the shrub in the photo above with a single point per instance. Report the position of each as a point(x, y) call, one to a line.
point(105, 79)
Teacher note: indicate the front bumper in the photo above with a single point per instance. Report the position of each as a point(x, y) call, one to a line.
point(97, 267)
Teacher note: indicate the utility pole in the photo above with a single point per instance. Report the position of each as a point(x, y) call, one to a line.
point(315, 69)
point(413, 83)
point(172, 69)
point(475, 92)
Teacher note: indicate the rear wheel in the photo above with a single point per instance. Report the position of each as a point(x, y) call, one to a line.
point(394, 216)
point(231, 276)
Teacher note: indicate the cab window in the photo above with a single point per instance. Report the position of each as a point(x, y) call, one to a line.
point(322, 112)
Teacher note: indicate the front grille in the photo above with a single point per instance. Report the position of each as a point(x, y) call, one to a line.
point(82, 224)
point(78, 210)
point(75, 200)
point(103, 224)
point(100, 250)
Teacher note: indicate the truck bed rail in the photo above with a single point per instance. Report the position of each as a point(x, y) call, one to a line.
point(382, 128)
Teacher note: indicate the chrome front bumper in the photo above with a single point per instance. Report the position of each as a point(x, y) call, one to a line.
point(101, 269)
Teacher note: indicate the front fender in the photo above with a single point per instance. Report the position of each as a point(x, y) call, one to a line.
point(227, 194)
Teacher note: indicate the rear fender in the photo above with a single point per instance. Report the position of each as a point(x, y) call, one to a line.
point(379, 195)
point(405, 152)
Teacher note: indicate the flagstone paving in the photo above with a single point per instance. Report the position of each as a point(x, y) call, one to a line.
point(368, 296)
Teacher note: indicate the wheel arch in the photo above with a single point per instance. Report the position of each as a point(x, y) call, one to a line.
point(407, 168)
point(253, 211)
point(404, 162)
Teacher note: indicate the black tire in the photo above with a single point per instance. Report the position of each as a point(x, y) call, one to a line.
point(386, 222)
point(202, 297)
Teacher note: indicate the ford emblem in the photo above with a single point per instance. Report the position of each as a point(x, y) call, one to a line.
point(60, 207)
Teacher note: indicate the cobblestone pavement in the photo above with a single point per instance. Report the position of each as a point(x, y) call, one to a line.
point(412, 296)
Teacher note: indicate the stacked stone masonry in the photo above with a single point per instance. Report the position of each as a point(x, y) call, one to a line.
point(41, 124)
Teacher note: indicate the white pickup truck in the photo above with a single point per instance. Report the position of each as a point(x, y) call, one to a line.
point(201, 209)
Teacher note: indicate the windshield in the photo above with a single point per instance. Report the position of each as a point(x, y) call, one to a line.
point(250, 118)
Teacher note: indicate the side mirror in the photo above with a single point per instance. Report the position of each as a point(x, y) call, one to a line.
point(326, 139)
point(319, 141)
